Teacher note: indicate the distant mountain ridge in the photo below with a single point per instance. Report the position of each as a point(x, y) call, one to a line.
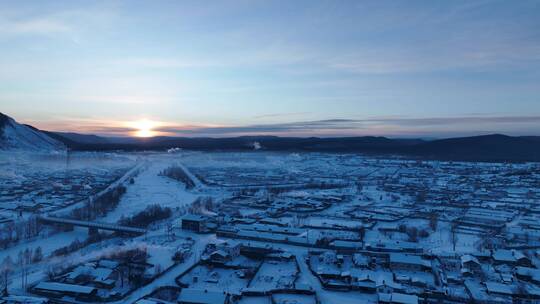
point(495, 147)
point(20, 137)
point(73, 138)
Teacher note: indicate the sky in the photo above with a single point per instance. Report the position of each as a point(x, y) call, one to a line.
point(289, 68)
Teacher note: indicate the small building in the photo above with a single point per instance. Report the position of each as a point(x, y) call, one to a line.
point(219, 256)
point(364, 284)
point(193, 222)
point(222, 253)
point(231, 247)
point(470, 264)
point(361, 261)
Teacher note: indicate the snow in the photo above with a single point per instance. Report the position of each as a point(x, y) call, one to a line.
point(274, 275)
point(169, 276)
point(188, 295)
point(375, 196)
point(61, 287)
point(20, 137)
point(150, 188)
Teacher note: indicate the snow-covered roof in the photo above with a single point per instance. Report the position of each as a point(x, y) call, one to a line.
point(62, 287)
point(108, 264)
point(220, 253)
point(534, 273)
point(98, 274)
point(346, 244)
point(469, 258)
point(360, 259)
point(152, 301)
point(408, 259)
point(25, 299)
point(494, 287)
point(404, 298)
point(201, 296)
point(101, 273)
point(193, 217)
point(400, 298)
point(505, 255)
point(476, 290)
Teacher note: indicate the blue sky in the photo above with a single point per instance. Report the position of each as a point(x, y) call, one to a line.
point(222, 68)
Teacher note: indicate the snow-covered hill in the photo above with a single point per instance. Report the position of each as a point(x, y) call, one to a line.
point(15, 136)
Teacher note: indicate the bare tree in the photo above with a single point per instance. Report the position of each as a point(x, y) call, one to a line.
point(38, 255)
point(6, 268)
point(433, 221)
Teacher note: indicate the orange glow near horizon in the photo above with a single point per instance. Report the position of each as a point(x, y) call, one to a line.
point(144, 128)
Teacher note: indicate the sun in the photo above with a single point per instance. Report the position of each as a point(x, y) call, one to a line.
point(144, 128)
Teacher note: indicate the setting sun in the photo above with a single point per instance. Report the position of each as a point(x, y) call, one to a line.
point(144, 128)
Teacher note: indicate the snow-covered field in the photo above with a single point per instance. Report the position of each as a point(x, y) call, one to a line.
point(356, 210)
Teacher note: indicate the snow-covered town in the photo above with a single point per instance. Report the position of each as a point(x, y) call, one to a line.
point(269, 152)
point(266, 227)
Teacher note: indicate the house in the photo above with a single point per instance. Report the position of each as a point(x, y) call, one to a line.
point(500, 289)
point(522, 259)
point(193, 222)
point(152, 301)
point(511, 257)
point(394, 246)
point(87, 273)
point(400, 261)
point(222, 253)
point(365, 284)
point(346, 246)
point(361, 261)
point(397, 298)
point(528, 274)
point(477, 292)
point(230, 247)
point(256, 250)
point(108, 264)
point(57, 290)
point(30, 206)
point(5, 219)
point(470, 264)
point(197, 296)
point(13, 299)
point(482, 256)
point(219, 256)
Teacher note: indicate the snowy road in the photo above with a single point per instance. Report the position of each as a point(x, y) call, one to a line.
point(151, 188)
point(194, 179)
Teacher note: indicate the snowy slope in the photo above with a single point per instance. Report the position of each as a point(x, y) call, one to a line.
point(15, 136)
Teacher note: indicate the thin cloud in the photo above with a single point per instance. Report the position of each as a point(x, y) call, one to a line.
point(280, 115)
point(71, 24)
point(41, 26)
point(448, 121)
point(166, 63)
point(377, 126)
point(372, 126)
